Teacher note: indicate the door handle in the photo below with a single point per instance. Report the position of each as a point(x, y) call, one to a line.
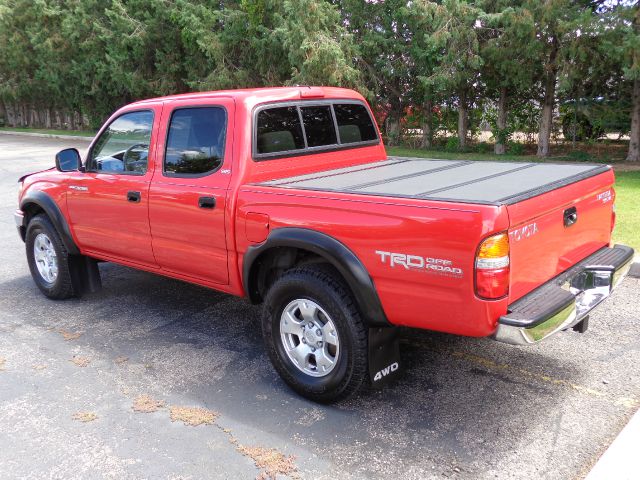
point(133, 197)
point(207, 202)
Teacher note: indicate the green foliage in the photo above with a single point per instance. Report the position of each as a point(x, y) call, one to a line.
point(502, 135)
point(419, 59)
point(483, 147)
point(452, 145)
point(579, 156)
point(92, 56)
point(515, 148)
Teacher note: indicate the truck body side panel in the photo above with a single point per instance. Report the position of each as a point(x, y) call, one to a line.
point(420, 255)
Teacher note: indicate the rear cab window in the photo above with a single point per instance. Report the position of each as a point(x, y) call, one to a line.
point(279, 130)
point(306, 127)
point(354, 123)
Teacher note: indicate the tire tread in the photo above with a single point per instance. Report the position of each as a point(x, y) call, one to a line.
point(325, 276)
point(63, 287)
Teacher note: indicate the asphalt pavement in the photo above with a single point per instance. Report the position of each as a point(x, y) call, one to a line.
point(155, 378)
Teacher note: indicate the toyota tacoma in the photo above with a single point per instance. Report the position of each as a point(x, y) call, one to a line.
point(287, 197)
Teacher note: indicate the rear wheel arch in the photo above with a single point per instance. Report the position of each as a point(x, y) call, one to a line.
point(292, 247)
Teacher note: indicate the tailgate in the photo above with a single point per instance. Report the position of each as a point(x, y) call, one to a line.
point(551, 232)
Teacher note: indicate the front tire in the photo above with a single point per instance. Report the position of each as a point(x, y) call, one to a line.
point(314, 335)
point(48, 259)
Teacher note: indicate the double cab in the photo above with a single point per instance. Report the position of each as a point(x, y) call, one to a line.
point(287, 197)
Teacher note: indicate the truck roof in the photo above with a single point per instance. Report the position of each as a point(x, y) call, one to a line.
point(255, 96)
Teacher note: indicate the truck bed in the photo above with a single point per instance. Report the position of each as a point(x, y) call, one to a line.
point(490, 183)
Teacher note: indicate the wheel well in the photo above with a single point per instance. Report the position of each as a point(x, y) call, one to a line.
point(287, 247)
point(30, 210)
point(275, 261)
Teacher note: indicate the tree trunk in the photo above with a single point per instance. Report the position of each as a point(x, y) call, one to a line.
point(501, 123)
point(34, 120)
point(393, 124)
point(634, 136)
point(463, 120)
point(546, 119)
point(427, 125)
point(11, 114)
point(23, 115)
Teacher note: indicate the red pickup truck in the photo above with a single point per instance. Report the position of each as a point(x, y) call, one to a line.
point(286, 196)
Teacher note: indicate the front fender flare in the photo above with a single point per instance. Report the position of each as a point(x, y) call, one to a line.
point(337, 254)
point(44, 201)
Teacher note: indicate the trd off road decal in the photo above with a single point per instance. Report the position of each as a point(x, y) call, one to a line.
point(439, 266)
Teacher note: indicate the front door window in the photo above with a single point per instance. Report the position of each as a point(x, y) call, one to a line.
point(124, 146)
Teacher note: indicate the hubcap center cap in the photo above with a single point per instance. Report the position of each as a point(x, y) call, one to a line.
point(310, 335)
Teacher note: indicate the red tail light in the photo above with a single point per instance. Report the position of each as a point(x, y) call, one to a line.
point(492, 267)
point(613, 217)
point(613, 209)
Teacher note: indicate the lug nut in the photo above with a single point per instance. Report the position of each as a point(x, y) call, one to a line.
point(310, 325)
point(318, 332)
point(313, 349)
point(304, 340)
point(319, 344)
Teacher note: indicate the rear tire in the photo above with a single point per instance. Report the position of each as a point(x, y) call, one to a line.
point(314, 335)
point(48, 259)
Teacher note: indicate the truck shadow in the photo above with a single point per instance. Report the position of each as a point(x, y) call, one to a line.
point(456, 398)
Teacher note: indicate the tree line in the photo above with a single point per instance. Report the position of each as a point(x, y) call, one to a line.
point(424, 65)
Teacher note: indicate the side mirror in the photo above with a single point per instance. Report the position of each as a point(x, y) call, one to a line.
point(68, 160)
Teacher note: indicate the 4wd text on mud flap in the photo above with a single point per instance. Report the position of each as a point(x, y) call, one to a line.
point(385, 371)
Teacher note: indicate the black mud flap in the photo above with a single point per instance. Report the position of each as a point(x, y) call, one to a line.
point(384, 355)
point(85, 274)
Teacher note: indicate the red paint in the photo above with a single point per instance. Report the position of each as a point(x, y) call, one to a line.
point(555, 248)
point(257, 227)
point(167, 233)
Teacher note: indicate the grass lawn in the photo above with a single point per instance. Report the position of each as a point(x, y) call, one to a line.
point(79, 133)
point(627, 229)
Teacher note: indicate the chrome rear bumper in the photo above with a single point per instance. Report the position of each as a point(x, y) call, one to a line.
point(565, 300)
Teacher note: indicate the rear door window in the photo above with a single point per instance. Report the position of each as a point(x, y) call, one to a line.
point(279, 130)
point(196, 140)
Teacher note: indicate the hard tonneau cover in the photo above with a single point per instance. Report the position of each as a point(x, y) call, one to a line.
point(492, 183)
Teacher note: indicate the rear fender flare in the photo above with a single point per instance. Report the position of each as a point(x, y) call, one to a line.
point(336, 253)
